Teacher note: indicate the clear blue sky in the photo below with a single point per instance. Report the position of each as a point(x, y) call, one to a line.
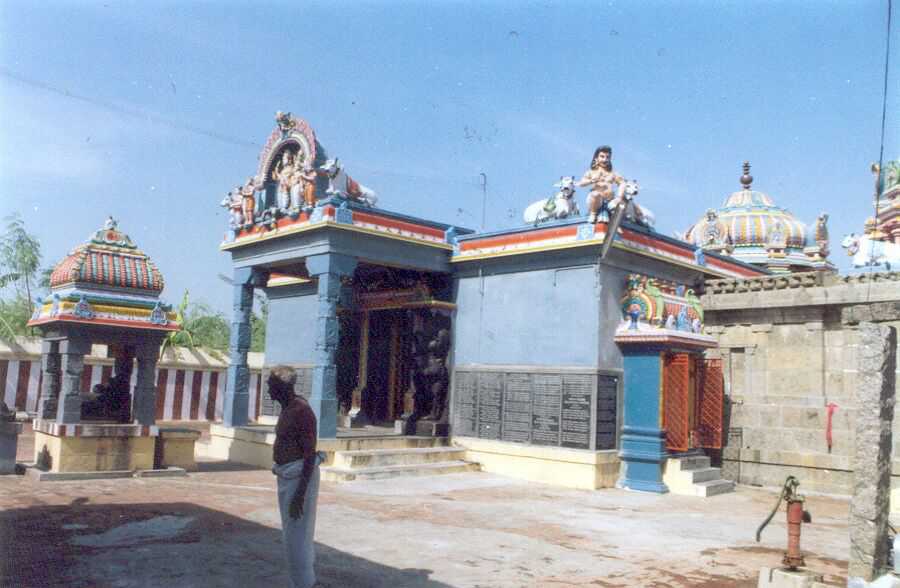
point(152, 111)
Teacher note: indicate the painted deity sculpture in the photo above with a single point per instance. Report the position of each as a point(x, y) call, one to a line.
point(821, 235)
point(649, 303)
point(342, 185)
point(601, 178)
point(284, 175)
point(248, 201)
point(560, 205)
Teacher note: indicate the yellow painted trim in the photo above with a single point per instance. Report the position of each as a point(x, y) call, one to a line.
point(329, 223)
point(272, 235)
point(422, 304)
point(662, 390)
point(588, 243)
point(287, 282)
point(393, 368)
point(367, 230)
point(362, 373)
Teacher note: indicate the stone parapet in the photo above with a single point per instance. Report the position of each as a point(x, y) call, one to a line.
point(799, 290)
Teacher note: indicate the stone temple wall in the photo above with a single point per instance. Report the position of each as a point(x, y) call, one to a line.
point(789, 345)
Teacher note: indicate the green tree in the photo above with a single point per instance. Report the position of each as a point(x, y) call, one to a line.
point(258, 326)
point(14, 315)
point(20, 258)
point(200, 327)
point(209, 328)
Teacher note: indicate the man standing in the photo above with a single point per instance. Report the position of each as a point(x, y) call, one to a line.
point(297, 468)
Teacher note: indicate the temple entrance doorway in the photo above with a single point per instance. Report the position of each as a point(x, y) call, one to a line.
point(374, 367)
point(392, 352)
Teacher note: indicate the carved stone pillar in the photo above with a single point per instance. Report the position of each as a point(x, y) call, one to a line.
point(237, 391)
point(875, 396)
point(72, 349)
point(328, 268)
point(143, 401)
point(50, 365)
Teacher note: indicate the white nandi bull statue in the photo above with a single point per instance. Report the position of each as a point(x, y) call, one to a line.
point(868, 252)
point(340, 184)
point(560, 205)
point(633, 212)
point(232, 202)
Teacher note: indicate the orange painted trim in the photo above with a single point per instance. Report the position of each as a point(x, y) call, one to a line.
point(519, 238)
point(396, 224)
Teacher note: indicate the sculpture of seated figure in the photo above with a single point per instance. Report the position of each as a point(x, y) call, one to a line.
point(110, 401)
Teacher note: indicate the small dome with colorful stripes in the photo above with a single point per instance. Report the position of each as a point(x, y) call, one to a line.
point(109, 259)
point(751, 227)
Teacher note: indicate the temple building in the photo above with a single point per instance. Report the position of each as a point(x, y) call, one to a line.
point(568, 350)
point(751, 228)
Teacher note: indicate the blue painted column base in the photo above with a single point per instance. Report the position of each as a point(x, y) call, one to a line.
point(642, 443)
point(642, 454)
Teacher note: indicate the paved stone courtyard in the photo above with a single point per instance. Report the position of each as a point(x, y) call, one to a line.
point(219, 527)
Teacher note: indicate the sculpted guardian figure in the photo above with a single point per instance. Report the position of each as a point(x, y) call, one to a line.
point(601, 177)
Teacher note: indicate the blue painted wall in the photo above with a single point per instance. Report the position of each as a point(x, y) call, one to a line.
point(523, 314)
point(539, 317)
point(290, 332)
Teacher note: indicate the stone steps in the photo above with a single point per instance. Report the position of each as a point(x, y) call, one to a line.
point(405, 456)
point(691, 475)
point(343, 474)
point(713, 487)
point(369, 458)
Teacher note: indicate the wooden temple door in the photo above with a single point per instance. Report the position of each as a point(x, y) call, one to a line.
point(710, 404)
point(676, 412)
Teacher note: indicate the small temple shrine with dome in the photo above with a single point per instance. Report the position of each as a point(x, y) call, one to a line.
point(106, 291)
point(750, 227)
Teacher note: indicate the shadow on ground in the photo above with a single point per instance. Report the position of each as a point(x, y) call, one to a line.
point(82, 545)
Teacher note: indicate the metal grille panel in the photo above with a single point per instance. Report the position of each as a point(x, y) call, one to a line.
point(676, 414)
point(710, 404)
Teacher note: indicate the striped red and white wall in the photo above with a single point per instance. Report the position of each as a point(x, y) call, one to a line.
point(183, 393)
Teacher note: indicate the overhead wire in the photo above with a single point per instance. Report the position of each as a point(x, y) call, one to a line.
point(879, 179)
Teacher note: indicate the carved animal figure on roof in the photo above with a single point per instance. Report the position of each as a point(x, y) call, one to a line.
point(633, 212)
point(232, 202)
point(868, 252)
point(340, 184)
point(560, 205)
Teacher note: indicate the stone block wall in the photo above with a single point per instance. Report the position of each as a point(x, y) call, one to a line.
point(789, 348)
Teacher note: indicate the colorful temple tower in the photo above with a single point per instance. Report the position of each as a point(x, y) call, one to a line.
point(751, 228)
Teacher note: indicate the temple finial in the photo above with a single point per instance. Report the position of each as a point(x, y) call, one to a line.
point(746, 179)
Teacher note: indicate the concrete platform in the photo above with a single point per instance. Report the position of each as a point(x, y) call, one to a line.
point(219, 528)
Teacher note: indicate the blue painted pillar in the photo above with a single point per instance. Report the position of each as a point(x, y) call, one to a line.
point(643, 443)
point(237, 390)
point(328, 268)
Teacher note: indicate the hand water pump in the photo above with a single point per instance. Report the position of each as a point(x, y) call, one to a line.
point(796, 516)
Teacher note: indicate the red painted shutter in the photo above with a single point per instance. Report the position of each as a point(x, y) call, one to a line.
point(710, 404)
point(676, 414)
